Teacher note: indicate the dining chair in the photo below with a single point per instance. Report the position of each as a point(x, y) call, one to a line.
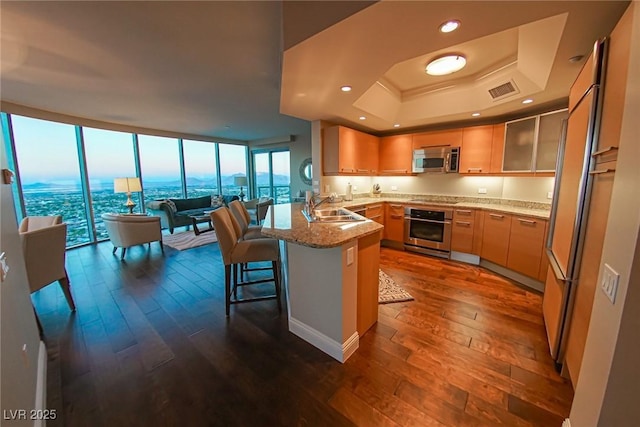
point(236, 251)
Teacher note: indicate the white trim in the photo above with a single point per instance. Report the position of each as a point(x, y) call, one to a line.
point(41, 385)
point(566, 422)
point(339, 351)
point(464, 257)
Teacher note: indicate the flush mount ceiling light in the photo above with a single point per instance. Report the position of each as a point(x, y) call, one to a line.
point(346, 88)
point(363, 118)
point(449, 26)
point(475, 114)
point(397, 125)
point(446, 65)
point(527, 101)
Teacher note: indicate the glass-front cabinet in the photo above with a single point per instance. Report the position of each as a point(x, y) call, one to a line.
point(531, 144)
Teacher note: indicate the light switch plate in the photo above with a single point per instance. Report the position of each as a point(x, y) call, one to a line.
point(482, 191)
point(394, 188)
point(549, 194)
point(609, 282)
point(349, 256)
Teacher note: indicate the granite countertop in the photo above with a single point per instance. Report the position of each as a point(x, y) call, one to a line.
point(286, 222)
point(531, 209)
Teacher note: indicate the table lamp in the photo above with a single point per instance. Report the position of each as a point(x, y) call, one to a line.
point(240, 181)
point(127, 185)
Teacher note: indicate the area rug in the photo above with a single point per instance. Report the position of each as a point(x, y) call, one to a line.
point(389, 291)
point(188, 240)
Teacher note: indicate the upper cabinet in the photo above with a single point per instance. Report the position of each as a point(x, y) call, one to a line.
point(476, 150)
point(347, 151)
point(451, 137)
point(395, 155)
point(531, 144)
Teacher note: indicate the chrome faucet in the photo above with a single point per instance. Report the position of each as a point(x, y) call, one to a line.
point(312, 205)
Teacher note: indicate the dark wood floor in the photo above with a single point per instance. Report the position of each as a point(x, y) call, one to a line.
point(150, 345)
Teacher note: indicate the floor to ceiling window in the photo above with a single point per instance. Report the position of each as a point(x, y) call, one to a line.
point(47, 157)
point(109, 155)
point(160, 167)
point(200, 168)
point(272, 175)
point(233, 162)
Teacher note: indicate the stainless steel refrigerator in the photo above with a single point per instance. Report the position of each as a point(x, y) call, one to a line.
point(569, 212)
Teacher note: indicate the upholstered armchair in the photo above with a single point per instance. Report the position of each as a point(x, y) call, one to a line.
point(130, 230)
point(44, 240)
point(258, 208)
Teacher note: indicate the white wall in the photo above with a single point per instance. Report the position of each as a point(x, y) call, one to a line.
point(517, 188)
point(17, 327)
point(608, 390)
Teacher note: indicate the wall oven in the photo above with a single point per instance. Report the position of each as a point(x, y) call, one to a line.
point(428, 230)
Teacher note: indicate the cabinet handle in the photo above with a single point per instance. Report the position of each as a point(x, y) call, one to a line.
point(396, 206)
point(394, 170)
point(601, 171)
point(374, 217)
point(496, 215)
point(347, 169)
point(463, 222)
point(603, 151)
point(463, 211)
point(526, 221)
point(397, 217)
point(363, 170)
point(474, 170)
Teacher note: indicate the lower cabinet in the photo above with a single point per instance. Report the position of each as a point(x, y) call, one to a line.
point(526, 242)
point(375, 212)
point(462, 231)
point(394, 222)
point(495, 237)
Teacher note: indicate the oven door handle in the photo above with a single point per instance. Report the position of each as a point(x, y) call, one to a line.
point(426, 220)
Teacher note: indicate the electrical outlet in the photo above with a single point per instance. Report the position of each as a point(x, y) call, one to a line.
point(482, 191)
point(355, 188)
point(549, 194)
point(609, 282)
point(394, 188)
point(327, 188)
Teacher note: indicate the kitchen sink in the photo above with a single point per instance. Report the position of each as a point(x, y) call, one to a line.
point(333, 215)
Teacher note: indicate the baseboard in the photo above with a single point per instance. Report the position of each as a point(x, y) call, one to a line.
point(339, 351)
point(41, 385)
point(520, 278)
point(566, 422)
point(463, 257)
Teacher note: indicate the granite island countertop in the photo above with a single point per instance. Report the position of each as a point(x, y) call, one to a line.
point(286, 222)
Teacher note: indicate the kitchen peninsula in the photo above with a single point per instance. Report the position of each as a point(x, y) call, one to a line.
point(331, 277)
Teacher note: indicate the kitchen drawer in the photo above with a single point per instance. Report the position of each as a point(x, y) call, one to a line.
point(375, 212)
point(525, 245)
point(464, 214)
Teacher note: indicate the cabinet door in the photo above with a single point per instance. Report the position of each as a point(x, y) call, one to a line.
point(549, 134)
point(462, 230)
point(497, 148)
point(394, 222)
point(348, 143)
point(525, 245)
point(376, 213)
point(475, 156)
point(518, 145)
point(368, 155)
point(452, 137)
point(395, 155)
point(495, 237)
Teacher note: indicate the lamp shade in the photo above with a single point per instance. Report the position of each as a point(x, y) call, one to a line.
point(126, 185)
point(240, 181)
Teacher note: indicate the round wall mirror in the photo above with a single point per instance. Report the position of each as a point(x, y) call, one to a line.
point(306, 171)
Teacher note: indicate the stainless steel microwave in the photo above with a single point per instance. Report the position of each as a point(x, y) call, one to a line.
point(443, 159)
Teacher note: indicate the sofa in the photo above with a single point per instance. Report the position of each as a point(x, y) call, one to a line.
point(176, 212)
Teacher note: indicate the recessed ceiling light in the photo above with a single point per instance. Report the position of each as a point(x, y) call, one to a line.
point(397, 125)
point(449, 26)
point(363, 118)
point(346, 88)
point(446, 65)
point(527, 101)
point(576, 59)
point(475, 114)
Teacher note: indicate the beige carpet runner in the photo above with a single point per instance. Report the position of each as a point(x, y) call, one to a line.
point(188, 240)
point(389, 291)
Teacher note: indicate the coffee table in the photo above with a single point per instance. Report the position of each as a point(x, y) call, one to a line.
point(200, 219)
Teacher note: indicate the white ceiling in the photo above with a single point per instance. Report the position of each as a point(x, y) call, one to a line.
point(217, 69)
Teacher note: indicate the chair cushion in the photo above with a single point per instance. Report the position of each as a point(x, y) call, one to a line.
point(255, 250)
point(253, 232)
point(194, 203)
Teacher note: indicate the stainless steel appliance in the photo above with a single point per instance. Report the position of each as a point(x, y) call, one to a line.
point(442, 159)
point(428, 230)
point(574, 179)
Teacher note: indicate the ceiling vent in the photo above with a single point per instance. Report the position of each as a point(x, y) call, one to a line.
point(506, 89)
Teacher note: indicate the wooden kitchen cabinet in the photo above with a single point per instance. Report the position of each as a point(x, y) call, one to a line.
point(497, 148)
point(395, 155)
point(475, 156)
point(375, 212)
point(347, 151)
point(495, 237)
point(394, 222)
point(526, 241)
point(462, 230)
point(452, 137)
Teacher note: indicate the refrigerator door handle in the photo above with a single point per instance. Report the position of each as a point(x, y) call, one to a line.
point(555, 267)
